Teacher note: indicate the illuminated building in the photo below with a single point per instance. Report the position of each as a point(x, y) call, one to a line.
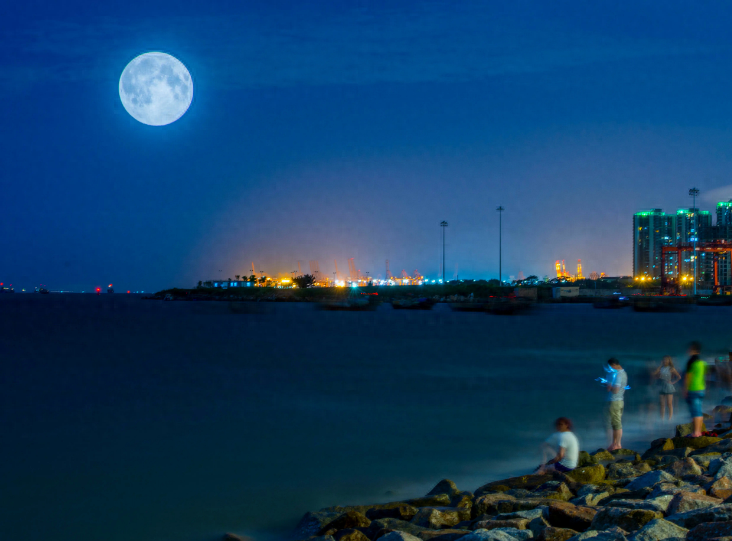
point(652, 230)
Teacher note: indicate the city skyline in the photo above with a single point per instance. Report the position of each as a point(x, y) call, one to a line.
point(319, 133)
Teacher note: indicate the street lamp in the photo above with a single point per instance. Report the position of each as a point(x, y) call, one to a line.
point(443, 225)
point(693, 193)
point(500, 251)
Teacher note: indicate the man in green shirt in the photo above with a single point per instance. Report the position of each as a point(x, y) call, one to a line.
point(694, 387)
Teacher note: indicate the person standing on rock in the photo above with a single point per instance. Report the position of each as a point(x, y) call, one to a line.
point(669, 376)
point(563, 445)
point(694, 387)
point(617, 381)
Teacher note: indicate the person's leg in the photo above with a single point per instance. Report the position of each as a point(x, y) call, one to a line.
point(695, 408)
point(670, 400)
point(663, 406)
point(697, 426)
point(617, 436)
point(616, 414)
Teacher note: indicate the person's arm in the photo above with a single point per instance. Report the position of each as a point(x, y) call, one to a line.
point(656, 373)
point(675, 374)
point(560, 456)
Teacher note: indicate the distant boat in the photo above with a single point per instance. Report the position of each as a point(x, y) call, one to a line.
point(43, 291)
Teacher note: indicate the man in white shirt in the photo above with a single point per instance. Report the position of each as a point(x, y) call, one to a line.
point(563, 445)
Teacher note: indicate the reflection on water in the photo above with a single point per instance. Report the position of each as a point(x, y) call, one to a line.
point(195, 418)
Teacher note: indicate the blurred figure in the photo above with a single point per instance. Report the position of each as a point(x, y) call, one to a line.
point(563, 445)
point(694, 387)
point(669, 377)
point(616, 383)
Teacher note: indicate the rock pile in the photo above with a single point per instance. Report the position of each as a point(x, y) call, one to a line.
point(679, 488)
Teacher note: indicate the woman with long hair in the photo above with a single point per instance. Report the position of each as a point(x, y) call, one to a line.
point(669, 376)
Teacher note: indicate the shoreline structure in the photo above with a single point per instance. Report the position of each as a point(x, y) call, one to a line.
point(678, 488)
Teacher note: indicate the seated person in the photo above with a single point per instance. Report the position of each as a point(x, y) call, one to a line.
point(563, 445)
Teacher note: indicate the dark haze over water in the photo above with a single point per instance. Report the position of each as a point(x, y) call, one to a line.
point(128, 419)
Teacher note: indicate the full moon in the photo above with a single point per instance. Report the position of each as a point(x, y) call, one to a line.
point(156, 89)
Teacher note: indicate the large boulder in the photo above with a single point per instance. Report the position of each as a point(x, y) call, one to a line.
point(517, 523)
point(590, 498)
point(724, 446)
point(435, 519)
point(660, 503)
point(527, 482)
point(350, 534)
point(628, 519)
point(434, 500)
point(659, 529)
point(446, 486)
point(688, 501)
point(553, 490)
point(658, 446)
point(529, 514)
point(556, 534)
point(650, 505)
point(623, 470)
point(488, 535)
point(648, 480)
point(704, 459)
point(680, 468)
point(585, 459)
point(567, 515)
point(462, 499)
point(538, 525)
point(695, 443)
point(311, 523)
point(710, 530)
point(613, 534)
point(603, 455)
point(399, 536)
point(588, 474)
point(402, 511)
point(690, 519)
point(349, 519)
point(721, 488)
point(686, 429)
point(393, 524)
point(482, 504)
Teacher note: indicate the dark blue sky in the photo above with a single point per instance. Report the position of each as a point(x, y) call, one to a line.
point(330, 130)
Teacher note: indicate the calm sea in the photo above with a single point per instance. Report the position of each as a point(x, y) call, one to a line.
point(128, 419)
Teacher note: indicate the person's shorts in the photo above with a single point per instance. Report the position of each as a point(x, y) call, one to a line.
point(561, 467)
point(614, 414)
point(694, 399)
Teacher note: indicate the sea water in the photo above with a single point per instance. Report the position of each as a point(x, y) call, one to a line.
point(125, 418)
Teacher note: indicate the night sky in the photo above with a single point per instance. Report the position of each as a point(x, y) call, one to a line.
point(330, 130)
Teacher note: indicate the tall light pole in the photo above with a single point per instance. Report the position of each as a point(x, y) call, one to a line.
point(500, 238)
point(693, 193)
point(443, 225)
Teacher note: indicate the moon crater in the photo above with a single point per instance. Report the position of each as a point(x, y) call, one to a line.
point(156, 89)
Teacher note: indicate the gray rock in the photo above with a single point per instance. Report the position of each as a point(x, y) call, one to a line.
point(311, 523)
point(724, 468)
point(649, 480)
point(590, 489)
point(667, 459)
point(685, 466)
point(659, 529)
point(446, 486)
point(705, 459)
point(689, 519)
point(664, 489)
point(689, 501)
point(538, 525)
point(590, 499)
point(521, 535)
point(661, 502)
point(487, 535)
point(627, 519)
point(399, 536)
point(529, 514)
point(724, 446)
point(613, 534)
point(649, 505)
point(519, 493)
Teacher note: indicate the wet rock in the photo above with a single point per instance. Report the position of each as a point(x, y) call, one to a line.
point(399, 536)
point(680, 468)
point(392, 524)
point(311, 523)
point(442, 535)
point(603, 455)
point(613, 534)
point(553, 490)
point(585, 459)
point(446, 486)
point(695, 443)
point(482, 504)
point(518, 523)
point(659, 529)
point(648, 480)
point(567, 515)
point(588, 474)
point(712, 530)
point(628, 519)
point(704, 459)
point(350, 534)
point(430, 517)
point(721, 488)
point(527, 482)
point(690, 519)
point(658, 446)
point(350, 519)
point(686, 429)
point(556, 534)
point(435, 500)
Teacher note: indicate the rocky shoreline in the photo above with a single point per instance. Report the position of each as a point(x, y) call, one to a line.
point(679, 488)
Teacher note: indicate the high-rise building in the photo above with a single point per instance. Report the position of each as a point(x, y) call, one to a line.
point(722, 231)
point(693, 225)
point(652, 230)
